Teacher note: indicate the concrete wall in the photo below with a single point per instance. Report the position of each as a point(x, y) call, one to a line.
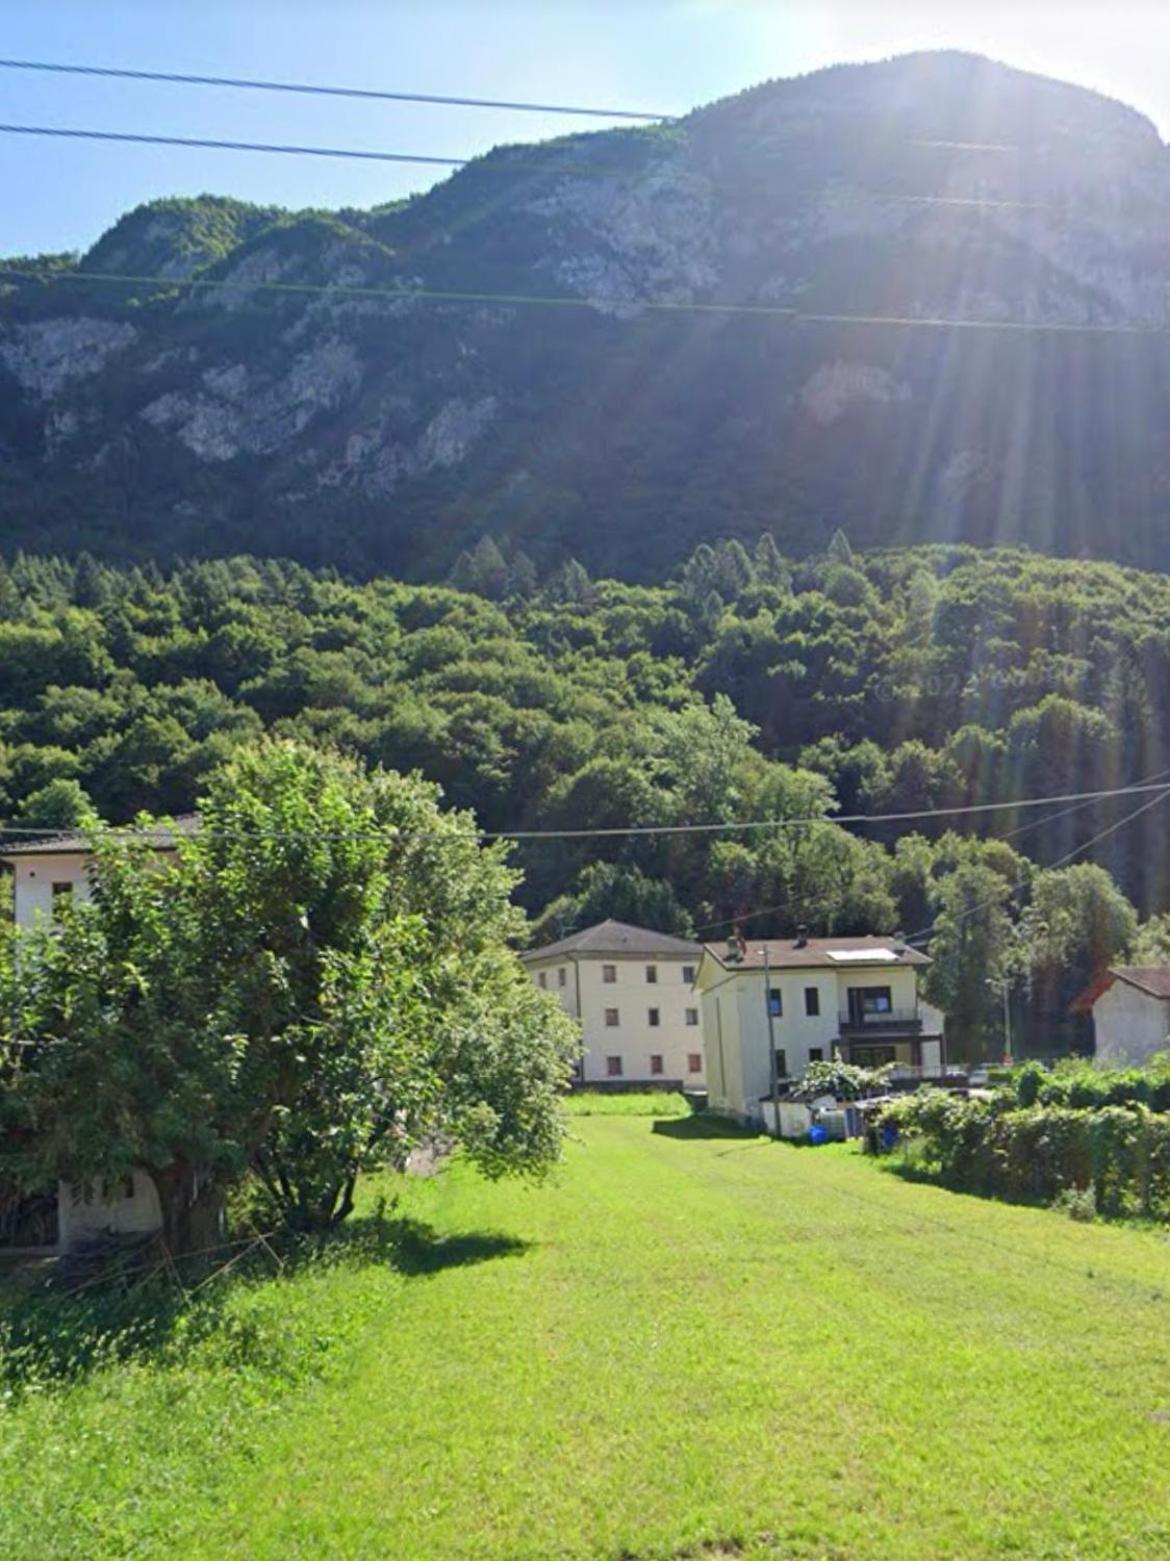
point(579, 981)
point(85, 1212)
point(33, 878)
point(1129, 1025)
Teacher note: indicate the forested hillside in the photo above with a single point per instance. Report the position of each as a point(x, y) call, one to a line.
point(745, 688)
point(925, 299)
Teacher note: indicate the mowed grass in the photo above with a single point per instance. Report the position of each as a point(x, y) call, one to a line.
point(692, 1343)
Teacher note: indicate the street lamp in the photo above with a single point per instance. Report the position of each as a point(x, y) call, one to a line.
point(1004, 986)
point(774, 1071)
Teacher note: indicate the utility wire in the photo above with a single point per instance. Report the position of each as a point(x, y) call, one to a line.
point(1080, 850)
point(785, 312)
point(502, 164)
point(1011, 834)
point(226, 146)
point(319, 90)
point(1063, 861)
point(965, 810)
point(161, 832)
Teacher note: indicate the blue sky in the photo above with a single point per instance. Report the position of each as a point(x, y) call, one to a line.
point(662, 55)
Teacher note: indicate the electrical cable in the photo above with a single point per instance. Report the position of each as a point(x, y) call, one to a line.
point(786, 312)
point(176, 78)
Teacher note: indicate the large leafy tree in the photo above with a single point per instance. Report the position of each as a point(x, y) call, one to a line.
point(976, 956)
point(320, 979)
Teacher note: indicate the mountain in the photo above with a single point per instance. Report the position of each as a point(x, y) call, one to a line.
point(629, 415)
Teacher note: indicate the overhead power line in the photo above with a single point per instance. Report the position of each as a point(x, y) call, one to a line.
point(917, 814)
point(502, 164)
point(1012, 834)
point(1063, 861)
point(176, 78)
point(153, 832)
point(785, 312)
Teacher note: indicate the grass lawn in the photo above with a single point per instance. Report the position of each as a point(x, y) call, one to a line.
point(693, 1343)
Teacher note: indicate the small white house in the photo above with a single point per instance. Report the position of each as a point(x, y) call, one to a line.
point(813, 999)
point(1130, 1005)
point(631, 990)
point(52, 868)
point(46, 871)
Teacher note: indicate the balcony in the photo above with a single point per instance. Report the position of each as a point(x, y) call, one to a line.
point(877, 1026)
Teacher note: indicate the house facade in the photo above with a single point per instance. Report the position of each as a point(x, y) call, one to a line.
point(631, 991)
point(1130, 1005)
point(47, 872)
point(812, 999)
point(54, 868)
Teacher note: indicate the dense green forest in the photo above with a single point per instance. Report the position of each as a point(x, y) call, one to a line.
point(744, 688)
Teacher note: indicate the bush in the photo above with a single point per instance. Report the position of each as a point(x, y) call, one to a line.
point(1083, 1085)
point(1117, 1155)
point(1079, 1205)
point(842, 1080)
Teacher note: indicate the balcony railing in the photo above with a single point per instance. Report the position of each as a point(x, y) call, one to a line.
point(893, 1021)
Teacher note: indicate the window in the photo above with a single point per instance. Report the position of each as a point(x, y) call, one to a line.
point(654, 1018)
point(692, 1017)
point(611, 1019)
point(816, 1054)
point(613, 1067)
point(609, 974)
point(561, 976)
point(689, 975)
point(62, 894)
point(876, 1000)
point(542, 979)
point(694, 1062)
point(652, 974)
point(873, 1056)
point(775, 1003)
point(812, 1000)
point(655, 1062)
point(781, 1063)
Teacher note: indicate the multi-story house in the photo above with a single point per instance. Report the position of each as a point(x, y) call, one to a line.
point(811, 999)
point(631, 990)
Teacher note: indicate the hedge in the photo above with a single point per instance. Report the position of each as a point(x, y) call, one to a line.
point(1085, 1086)
point(1037, 1153)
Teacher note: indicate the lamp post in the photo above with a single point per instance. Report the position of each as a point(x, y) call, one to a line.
point(774, 1072)
point(1004, 986)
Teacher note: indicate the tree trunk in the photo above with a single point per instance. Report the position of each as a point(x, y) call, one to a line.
point(192, 1208)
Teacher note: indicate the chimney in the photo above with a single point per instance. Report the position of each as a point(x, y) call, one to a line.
point(801, 936)
point(734, 952)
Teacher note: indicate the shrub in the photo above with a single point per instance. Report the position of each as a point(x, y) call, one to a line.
point(1078, 1204)
point(842, 1080)
point(1117, 1155)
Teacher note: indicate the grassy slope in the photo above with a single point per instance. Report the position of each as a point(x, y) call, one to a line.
point(706, 1338)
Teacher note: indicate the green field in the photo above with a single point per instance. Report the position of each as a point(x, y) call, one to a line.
point(693, 1343)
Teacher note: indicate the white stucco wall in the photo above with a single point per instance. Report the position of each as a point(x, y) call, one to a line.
point(86, 1212)
point(733, 1002)
point(586, 995)
point(1129, 1025)
point(33, 878)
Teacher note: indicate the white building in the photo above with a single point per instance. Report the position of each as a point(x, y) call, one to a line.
point(631, 991)
point(46, 871)
point(854, 998)
point(55, 867)
point(1130, 1005)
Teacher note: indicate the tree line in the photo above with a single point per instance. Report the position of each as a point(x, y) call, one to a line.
point(745, 686)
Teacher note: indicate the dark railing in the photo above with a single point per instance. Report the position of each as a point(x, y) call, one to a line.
point(901, 1021)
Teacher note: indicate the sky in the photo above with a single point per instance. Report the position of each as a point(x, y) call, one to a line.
point(664, 56)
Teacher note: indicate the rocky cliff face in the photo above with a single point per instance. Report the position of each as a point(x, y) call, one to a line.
point(847, 214)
